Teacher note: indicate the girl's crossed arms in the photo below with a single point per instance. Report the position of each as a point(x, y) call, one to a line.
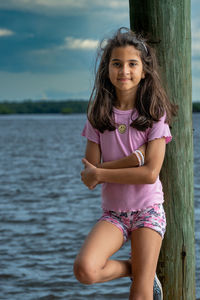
point(123, 170)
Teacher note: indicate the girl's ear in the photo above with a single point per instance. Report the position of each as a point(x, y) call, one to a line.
point(143, 75)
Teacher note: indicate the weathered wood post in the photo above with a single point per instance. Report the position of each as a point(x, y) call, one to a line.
point(169, 24)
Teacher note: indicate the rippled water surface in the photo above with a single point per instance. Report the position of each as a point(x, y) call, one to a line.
point(46, 211)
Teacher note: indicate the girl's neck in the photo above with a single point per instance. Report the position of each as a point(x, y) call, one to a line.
point(125, 100)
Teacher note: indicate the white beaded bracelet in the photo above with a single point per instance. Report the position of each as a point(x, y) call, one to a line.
point(138, 157)
point(142, 156)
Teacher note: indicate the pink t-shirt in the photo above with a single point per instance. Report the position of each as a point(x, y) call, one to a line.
point(115, 145)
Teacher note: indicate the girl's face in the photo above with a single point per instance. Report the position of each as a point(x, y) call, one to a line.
point(125, 68)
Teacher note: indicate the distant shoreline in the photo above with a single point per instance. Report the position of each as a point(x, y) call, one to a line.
point(53, 107)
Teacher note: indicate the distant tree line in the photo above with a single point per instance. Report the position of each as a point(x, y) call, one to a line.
point(196, 106)
point(44, 107)
point(52, 107)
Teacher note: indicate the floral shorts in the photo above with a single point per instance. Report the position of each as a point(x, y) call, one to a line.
point(151, 217)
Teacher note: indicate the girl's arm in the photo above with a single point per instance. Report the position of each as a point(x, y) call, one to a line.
point(125, 162)
point(93, 156)
point(146, 174)
point(93, 153)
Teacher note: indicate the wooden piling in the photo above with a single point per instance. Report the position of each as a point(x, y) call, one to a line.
point(169, 24)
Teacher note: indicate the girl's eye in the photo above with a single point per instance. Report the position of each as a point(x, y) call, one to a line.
point(116, 64)
point(133, 64)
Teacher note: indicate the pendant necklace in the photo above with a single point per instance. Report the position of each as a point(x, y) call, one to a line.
point(121, 128)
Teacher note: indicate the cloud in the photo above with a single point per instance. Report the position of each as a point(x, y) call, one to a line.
point(196, 34)
point(195, 37)
point(195, 89)
point(116, 4)
point(80, 44)
point(70, 43)
point(196, 66)
point(5, 32)
point(44, 7)
point(196, 48)
point(196, 43)
point(62, 3)
point(65, 7)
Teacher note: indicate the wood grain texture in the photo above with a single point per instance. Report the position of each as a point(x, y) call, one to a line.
point(169, 24)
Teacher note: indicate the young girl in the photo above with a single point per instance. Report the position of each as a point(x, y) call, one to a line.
point(127, 131)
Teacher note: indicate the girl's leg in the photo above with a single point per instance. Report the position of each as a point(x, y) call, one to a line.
point(92, 264)
point(145, 244)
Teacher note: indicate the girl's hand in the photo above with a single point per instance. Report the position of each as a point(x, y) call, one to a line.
point(89, 175)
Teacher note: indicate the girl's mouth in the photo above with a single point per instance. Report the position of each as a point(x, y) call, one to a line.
point(124, 79)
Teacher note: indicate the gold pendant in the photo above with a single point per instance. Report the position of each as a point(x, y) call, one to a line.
point(122, 128)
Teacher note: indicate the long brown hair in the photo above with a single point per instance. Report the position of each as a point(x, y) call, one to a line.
point(151, 99)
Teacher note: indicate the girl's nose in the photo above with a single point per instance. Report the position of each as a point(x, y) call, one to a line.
point(125, 70)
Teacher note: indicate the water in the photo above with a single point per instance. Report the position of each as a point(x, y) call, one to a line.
point(41, 192)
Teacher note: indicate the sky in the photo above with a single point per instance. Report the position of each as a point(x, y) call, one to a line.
point(48, 47)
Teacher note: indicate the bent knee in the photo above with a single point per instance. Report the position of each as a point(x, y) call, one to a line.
point(85, 273)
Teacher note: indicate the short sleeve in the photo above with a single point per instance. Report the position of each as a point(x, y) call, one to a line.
point(160, 129)
point(91, 133)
